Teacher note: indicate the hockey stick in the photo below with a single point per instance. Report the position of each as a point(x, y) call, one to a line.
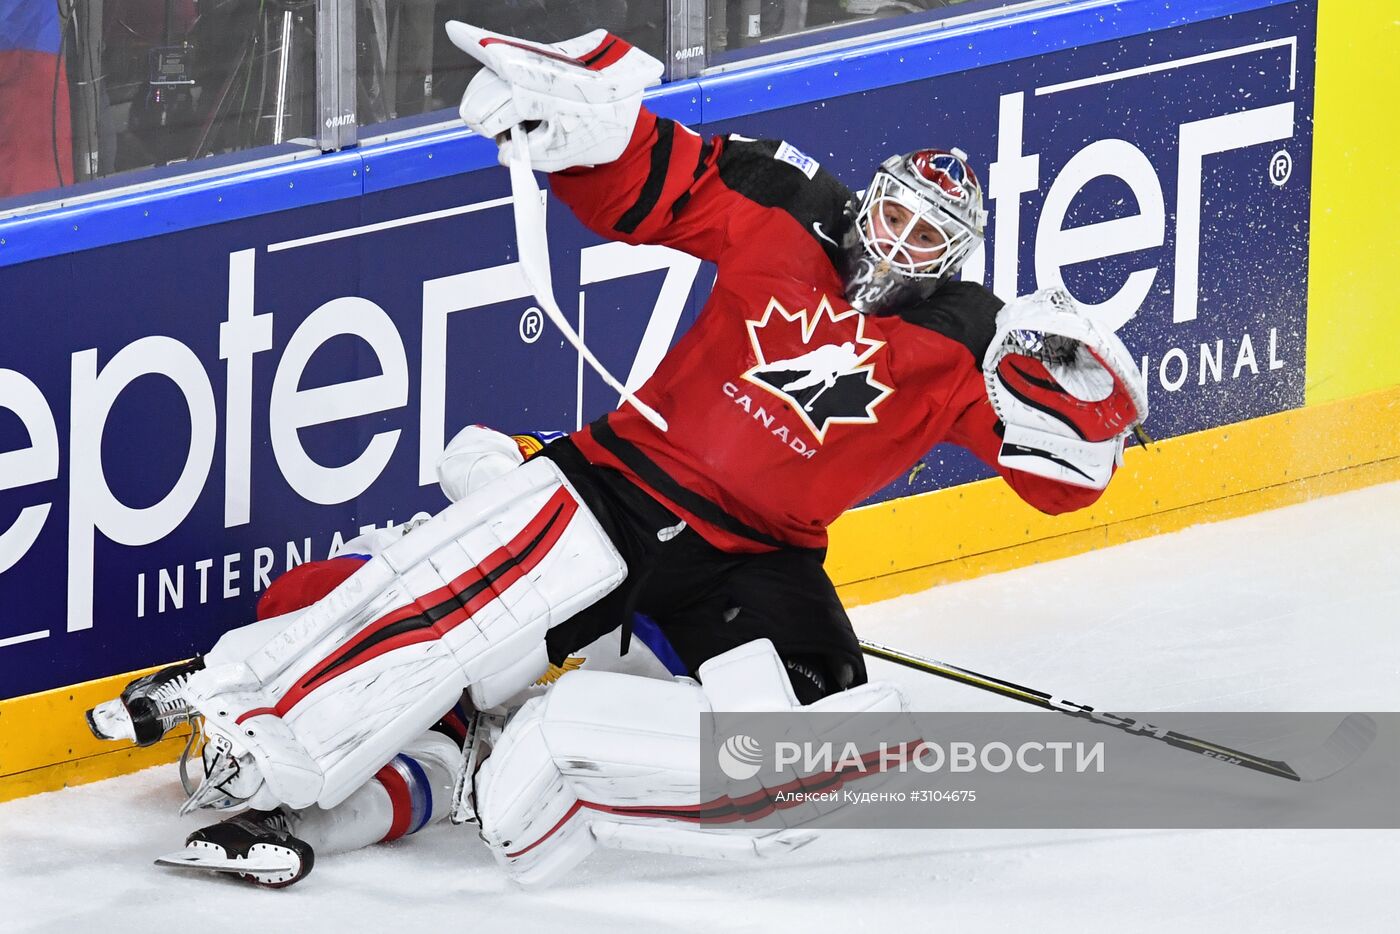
point(1351, 738)
point(533, 242)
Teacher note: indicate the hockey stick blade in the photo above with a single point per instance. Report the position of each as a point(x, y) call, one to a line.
point(531, 238)
point(1347, 743)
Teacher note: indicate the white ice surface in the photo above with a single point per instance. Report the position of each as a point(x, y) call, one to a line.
point(1288, 610)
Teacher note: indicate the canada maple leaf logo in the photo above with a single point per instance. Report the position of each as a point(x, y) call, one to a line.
point(818, 362)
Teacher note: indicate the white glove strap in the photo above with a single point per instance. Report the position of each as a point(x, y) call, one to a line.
point(1059, 457)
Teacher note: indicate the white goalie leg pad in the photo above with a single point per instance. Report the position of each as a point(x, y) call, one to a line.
point(463, 601)
point(606, 759)
point(237, 644)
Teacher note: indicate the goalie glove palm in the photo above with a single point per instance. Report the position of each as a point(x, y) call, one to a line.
point(578, 99)
point(1065, 389)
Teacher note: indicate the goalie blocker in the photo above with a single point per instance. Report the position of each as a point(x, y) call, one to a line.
point(576, 101)
point(1065, 388)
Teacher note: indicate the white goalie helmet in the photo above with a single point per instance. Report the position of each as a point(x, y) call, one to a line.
point(920, 219)
point(935, 189)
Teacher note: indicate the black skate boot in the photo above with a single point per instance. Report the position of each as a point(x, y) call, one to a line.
point(148, 708)
point(256, 845)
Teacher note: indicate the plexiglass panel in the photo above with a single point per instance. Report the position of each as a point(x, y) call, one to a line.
point(90, 89)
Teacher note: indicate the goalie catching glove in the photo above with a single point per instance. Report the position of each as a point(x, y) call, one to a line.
point(1065, 388)
point(578, 99)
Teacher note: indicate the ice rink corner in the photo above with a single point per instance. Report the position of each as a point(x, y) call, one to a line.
point(1289, 609)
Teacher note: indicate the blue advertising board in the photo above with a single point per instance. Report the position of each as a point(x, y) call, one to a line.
point(1164, 179)
point(184, 416)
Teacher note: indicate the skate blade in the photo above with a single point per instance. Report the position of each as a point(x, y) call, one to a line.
point(268, 861)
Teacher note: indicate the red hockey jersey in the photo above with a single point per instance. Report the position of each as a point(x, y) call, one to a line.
point(786, 406)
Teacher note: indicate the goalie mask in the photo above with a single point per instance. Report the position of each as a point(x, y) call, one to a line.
point(920, 219)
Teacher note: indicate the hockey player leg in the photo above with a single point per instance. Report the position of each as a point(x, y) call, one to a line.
point(463, 601)
point(277, 848)
point(411, 792)
point(610, 760)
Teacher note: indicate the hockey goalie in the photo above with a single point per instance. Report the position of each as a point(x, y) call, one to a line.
point(411, 676)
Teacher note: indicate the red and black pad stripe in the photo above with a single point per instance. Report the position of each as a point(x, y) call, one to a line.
point(727, 810)
point(437, 613)
point(453, 724)
point(608, 52)
point(1031, 383)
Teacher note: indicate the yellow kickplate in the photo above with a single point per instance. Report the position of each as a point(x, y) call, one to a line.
point(983, 527)
point(45, 743)
point(120, 761)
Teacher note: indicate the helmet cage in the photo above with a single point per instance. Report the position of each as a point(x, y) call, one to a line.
point(895, 183)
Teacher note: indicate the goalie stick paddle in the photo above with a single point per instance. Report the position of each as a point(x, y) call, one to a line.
point(531, 237)
point(1351, 738)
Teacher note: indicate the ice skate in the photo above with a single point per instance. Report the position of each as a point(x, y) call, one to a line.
point(148, 708)
point(255, 845)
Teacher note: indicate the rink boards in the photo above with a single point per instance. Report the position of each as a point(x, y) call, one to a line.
point(204, 385)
